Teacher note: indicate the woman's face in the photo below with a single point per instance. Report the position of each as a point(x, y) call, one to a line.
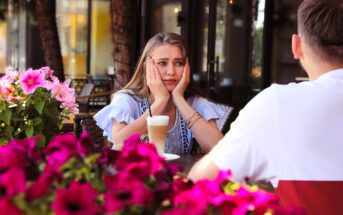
point(170, 63)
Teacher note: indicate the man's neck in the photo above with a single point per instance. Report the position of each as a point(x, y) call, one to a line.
point(319, 69)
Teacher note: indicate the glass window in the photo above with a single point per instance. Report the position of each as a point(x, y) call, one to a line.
point(256, 70)
point(101, 41)
point(72, 28)
point(3, 46)
point(164, 17)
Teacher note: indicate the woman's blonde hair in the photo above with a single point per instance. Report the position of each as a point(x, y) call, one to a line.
point(138, 82)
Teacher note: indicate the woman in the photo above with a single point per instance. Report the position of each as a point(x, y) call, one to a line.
point(163, 79)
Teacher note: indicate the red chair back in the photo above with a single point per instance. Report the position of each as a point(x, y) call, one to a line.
point(317, 197)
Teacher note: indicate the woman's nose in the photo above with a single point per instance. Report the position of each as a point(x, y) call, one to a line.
point(171, 69)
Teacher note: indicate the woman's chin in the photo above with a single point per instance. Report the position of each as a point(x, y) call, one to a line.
point(170, 88)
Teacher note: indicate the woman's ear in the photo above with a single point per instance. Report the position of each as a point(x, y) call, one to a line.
point(296, 46)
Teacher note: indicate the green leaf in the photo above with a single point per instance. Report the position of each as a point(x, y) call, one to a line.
point(37, 121)
point(41, 143)
point(29, 131)
point(5, 115)
point(39, 105)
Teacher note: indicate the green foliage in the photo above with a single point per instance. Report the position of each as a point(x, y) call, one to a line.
point(27, 115)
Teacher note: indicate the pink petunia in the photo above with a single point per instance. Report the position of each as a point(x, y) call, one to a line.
point(11, 75)
point(85, 144)
point(28, 146)
point(71, 106)
point(47, 72)
point(60, 149)
point(6, 207)
point(10, 187)
point(12, 157)
point(61, 91)
point(30, 80)
point(141, 155)
point(41, 186)
point(124, 190)
point(6, 89)
point(78, 198)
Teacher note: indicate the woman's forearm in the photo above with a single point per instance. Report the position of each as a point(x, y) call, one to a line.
point(205, 132)
point(120, 131)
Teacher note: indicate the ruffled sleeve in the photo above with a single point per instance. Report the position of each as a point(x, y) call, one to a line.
point(207, 109)
point(123, 108)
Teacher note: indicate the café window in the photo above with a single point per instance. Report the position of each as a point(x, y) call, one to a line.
point(3, 45)
point(164, 16)
point(85, 36)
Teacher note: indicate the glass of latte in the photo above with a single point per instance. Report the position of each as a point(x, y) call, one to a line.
point(157, 131)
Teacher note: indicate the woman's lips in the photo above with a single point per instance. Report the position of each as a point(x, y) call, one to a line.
point(169, 82)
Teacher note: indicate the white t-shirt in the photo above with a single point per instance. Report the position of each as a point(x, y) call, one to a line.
point(126, 107)
point(288, 132)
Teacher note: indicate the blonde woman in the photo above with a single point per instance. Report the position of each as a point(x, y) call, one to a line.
point(164, 78)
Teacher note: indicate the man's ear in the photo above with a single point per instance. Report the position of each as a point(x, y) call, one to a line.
point(296, 46)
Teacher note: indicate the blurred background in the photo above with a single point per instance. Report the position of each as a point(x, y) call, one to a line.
point(236, 48)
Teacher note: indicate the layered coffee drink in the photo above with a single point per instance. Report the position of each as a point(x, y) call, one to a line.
point(157, 131)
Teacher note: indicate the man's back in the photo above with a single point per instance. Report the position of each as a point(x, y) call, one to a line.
point(296, 129)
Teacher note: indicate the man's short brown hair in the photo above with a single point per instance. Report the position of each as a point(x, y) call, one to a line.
point(321, 24)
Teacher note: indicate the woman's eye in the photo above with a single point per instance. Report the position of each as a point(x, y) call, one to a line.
point(161, 63)
point(180, 63)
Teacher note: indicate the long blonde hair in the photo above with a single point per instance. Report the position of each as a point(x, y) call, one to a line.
point(138, 82)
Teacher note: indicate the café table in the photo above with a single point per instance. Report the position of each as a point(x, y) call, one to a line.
point(187, 161)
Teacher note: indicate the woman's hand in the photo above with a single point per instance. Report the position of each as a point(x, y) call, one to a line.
point(181, 87)
point(154, 81)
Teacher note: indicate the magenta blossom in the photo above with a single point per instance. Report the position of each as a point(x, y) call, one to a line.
point(30, 80)
point(140, 156)
point(60, 149)
point(6, 89)
point(12, 157)
point(61, 91)
point(6, 207)
point(28, 147)
point(12, 182)
point(10, 76)
point(77, 199)
point(47, 72)
point(41, 186)
point(124, 190)
point(85, 144)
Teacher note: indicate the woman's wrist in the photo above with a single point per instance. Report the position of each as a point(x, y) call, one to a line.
point(162, 98)
point(177, 99)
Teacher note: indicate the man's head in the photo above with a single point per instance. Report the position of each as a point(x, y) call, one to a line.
point(320, 27)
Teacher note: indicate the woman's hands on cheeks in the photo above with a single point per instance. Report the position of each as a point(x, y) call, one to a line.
point(154, 81)
point(181, 87)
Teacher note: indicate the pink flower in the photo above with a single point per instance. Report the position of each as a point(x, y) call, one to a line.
point(252, 200)
point(124, 190)
point(6, 89)
point(139, 158)
point(76, 199)
point(6, 207)
point(192, 201)
point(12, 157)
point(71, 106)
point(61, 91)
point(85, 144)
point(196, 199)
point(12, 182)
point(108, 156)
point(28, 147)
point(47, 72)
point(60, 149)
point(41, 186)
point(30, 80)
point(11, 75)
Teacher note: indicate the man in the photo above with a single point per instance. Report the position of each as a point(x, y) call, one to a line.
point(292, 135)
